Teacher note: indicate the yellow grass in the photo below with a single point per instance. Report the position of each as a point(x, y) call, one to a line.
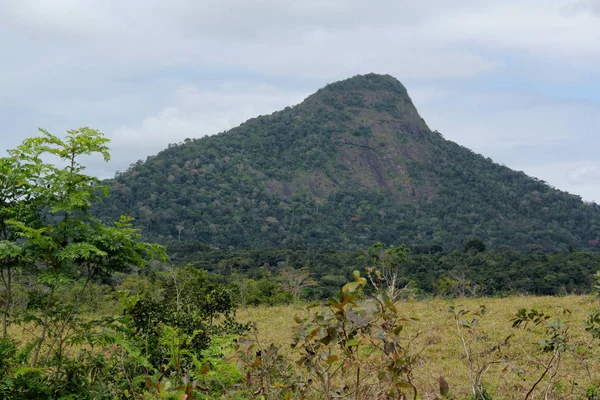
point(442, 353)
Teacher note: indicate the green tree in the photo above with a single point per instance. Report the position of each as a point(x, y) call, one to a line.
point(17, 197)
point(58, 236)
point(296, 280)
point(387, 265)
point(473, 244)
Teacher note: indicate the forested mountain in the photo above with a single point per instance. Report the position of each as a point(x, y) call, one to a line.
point(352, 165)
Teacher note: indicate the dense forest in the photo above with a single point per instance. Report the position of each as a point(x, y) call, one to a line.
point(472, 270)
point(352, 165)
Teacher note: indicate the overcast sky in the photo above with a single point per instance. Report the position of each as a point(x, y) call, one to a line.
point(515, 80)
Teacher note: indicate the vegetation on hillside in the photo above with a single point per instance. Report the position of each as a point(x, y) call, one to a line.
point(352, 165)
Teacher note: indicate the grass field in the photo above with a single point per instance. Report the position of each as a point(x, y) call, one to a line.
point(441, 351)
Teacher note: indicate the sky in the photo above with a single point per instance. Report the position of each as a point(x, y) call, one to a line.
point(515, 80)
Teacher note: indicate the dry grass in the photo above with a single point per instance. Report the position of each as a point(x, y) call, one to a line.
point(442, 353)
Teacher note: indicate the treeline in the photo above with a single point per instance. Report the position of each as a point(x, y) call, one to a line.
point(427, 270)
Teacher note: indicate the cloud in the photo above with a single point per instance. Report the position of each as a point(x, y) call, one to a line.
point(309, 38)
point(533, 27)
point(495, 121)
point(67, 20)
point(152, 72)
point(582, 7)
point(68, 41)
point(584, 174)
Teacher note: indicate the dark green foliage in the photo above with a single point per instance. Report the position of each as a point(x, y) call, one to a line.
point(53, 257)
point(352, 165)
point(188, 301)
point(474, 245)
point(268, 292)
point(592, 393)
point(426, 269)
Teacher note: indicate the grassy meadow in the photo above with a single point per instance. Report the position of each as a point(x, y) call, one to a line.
point(440, 350)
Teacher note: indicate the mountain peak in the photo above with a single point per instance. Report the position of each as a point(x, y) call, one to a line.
point(366, 98)
point(367, 82)
point(352, 165)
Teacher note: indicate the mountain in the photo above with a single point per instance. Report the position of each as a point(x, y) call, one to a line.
point(352, 165)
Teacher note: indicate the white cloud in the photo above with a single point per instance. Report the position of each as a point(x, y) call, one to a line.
point(583, 6)
point(153, 72)
point(533, 27)
point(585, 174)
point(496, 120)
point(69, 20)
point(430, 39)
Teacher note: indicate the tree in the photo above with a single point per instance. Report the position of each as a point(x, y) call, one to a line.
point(296, 280)
point(58, 236)
point(474, 245)
point(387, 264)
point(17, 197)
point(179, 228)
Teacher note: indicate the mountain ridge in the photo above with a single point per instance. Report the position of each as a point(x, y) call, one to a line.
point(352, 164)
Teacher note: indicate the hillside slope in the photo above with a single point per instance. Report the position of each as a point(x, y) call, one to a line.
point(351, 165)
